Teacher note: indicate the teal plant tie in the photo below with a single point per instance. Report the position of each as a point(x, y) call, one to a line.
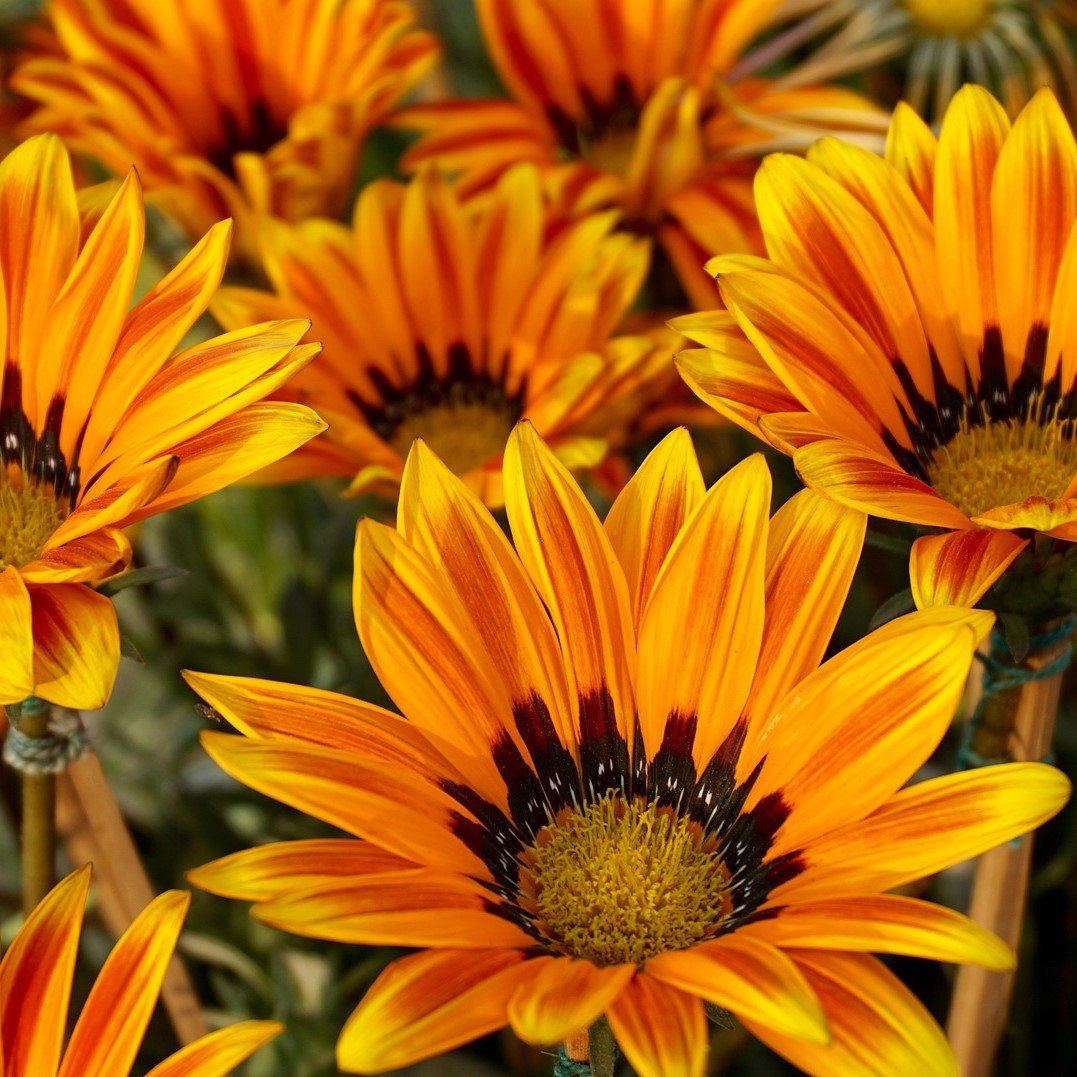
point(567, 1068)
point(1001, 675)
point(64, 741)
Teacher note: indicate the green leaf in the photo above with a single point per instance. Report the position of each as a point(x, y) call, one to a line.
point(142, 577)
point(894, 606)
point(1015, 629)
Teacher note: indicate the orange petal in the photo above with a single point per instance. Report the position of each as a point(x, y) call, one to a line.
point(16, 639)
point(563, 995)
point(959, 568)
point(89, 559)
point(76, 645)
point(812, 553)
point(411, 908)
point(911, 148)
point(662, 1031)
point(427, 1004)
point(35, 979)
point(871, 482)
point(1035, 513)
point(283, 867)
point(885, 924)
point(702, 629)
point(110, 1028)
point(876, 1025)
point(570, 561)
point(219, 1053)
point(854, 731)
point(928, 827)
point(749, 977)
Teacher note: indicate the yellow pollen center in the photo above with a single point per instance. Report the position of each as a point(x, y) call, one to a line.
point(619, 882)
point(464, 435)
point(951, 18)
point(1004, 463)
point(29, 514)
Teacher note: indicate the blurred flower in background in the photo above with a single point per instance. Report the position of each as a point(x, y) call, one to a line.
point(632, 103)
point(450, 322)
point(226, 109)
point(923, 51)
point(35, 986)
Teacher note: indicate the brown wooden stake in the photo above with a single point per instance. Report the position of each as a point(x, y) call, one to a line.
point(1021, 721)
point(93, 831)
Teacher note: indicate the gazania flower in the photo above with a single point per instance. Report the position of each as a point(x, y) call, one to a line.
point(622, 785)
point(911, 341)
point(100, 423)
point(1014, 47)
point(635, 104)
point(227, 109)
point(450, 323)
point(35, 987)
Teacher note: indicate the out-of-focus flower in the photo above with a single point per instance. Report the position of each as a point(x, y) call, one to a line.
point(101, 424)
point(623, 784)
point(449, 323)
point(227, 109)
point(35, 987)
point(635, 104)
point(1013, 47)
point(912, 342)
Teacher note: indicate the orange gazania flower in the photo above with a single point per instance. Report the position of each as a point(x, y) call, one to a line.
point(227, 109)
point(1014, 47)
point(623, 784)
point(636, 104)
point(35, 988)
point(911, 342)
point(100, 423)
point(450, 322)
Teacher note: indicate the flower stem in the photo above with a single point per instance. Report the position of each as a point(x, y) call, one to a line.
point(38, 836)
point(1018, 722)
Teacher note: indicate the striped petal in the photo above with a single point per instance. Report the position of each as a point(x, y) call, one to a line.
point(885, 924)
point(427, 1004)
point(1033, 206)
point(219, 1053)
point(749, 977)
point(877, 1027)
point(972, 136)
point(564, 995)
point(959, 568)
point(874, 484)
point(928, 827)
point(812, 553)
point(701, 632)
point(662, 1031)
point(89, 559)
point(76, 645)
point(912, 148)
point(650, 511)
point(16, 639)
point(410, 908)
point(572, 565)
point(395, 810)
point(110, 1028)
point(35, 979)
point(853, 732)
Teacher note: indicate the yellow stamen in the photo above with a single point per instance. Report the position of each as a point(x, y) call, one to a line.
point(618, 882)
point(29, 514)
point(1003, 463)
point(951, 18)
point(463, 435)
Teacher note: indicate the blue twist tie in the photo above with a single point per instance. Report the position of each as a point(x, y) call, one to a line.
point(565, 1066)
point(1001, 675)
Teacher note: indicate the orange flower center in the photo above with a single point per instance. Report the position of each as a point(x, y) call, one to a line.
point(619, 882)
point(1004, 463)
point(951, 18)
point(465, 434)
point(29, 514)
